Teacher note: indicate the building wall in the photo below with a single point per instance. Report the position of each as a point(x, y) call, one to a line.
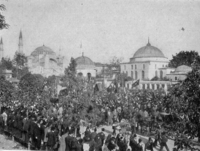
point(149, 69)
point(44, 65)
point(86, 71)
point(176, 77)
point(153, 85)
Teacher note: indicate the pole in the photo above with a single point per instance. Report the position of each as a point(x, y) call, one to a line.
point(103, 78)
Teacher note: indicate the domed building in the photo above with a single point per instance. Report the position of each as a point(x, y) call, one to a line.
point(180, 73)
point(43, 60)
point(85, 66)
point(146, 63)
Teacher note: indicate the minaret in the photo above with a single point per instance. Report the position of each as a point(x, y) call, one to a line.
point(1, 49)
point(20, 46)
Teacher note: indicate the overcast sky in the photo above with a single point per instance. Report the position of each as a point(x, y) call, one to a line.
point(105, 28)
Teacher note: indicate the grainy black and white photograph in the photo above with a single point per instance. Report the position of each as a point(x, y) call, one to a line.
point(100, 75)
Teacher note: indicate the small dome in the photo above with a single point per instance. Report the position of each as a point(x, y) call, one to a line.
point(148, 51)
point(183, 68)
point(84, 61)
point(41, 50)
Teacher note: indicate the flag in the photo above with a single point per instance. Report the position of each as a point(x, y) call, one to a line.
point(136, 83)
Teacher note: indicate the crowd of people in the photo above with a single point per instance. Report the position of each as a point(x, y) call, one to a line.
point(43, 124)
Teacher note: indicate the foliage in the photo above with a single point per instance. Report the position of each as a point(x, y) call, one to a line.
point(3, 23)
point(69, 80)
point(20, 60)
point(6, 90)
point(155, 78)
point(122, 78)
point(6, 64)
point(159, 79)
point(31, 86)
point(50, 85)
point(114, 61)
point(184, 58)
point(184, 96)
point(19, 65)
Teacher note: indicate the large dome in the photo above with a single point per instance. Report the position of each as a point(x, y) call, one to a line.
point(84, 61)
point(148, 51)
point(41, 50)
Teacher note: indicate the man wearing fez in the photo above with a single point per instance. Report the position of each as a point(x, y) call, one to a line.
point(26, 124)
point(133, 143)
point(51, 139)
point(70, 141)
point(102, 136)
point(33, 126)
point(38, 134)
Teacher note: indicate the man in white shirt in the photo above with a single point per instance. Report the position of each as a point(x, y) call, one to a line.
point(5, 116)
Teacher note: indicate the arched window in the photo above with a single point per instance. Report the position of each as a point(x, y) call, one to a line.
point(156, 73)
point(143, 75)
point(148, 86)
point(136, 76)
point(152, 86)
point(161, 74)
point(143, 86)
point(131, 74)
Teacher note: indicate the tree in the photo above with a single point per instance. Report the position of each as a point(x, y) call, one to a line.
point(31, 87)
point(185, 95)
point(115, 62)
point(122, 78)
point(155, 78)
point(3, 23)
point(50, 86)
point(70, 80)
point(184, 58)
point(6, 64)
point(6, 90)
point(20, 65)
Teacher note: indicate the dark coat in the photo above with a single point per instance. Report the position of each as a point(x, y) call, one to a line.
point(103, 136)
point(71, 143)
point(51, 139)
point(134, 145)
point(93, 135)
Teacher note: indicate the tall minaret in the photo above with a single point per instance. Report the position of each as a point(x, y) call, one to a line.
point(1, 49)
point(20, 49)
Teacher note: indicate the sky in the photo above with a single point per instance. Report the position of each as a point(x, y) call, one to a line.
point(102, 29)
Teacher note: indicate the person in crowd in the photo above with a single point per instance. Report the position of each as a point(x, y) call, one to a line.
point(141, 146)
point(133, 143)
point(121, 142)
point(71, 142)
point(149, 145)
point(157, 138)
point(112, 145)
point(51, 139)
point(94, 133)
point(163, 142)
point(102, 136)
point(5, 117)
point(87, 132)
